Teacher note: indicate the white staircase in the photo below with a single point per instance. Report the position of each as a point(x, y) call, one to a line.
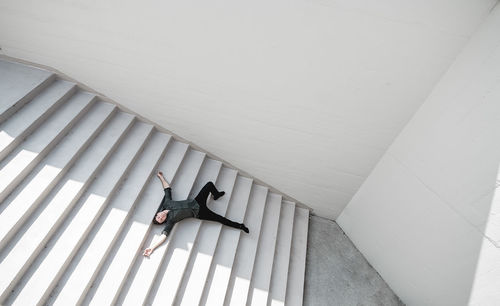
point(78, 192)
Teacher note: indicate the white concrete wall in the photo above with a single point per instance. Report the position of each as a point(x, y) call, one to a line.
point(428, 216)
point(305, 95)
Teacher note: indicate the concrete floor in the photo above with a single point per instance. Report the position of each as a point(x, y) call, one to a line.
point(337, 273)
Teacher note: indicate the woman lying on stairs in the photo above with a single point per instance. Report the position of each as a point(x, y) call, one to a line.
point(171, 212)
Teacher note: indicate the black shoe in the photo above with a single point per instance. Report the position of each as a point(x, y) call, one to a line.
point(244, 228)
point(220, 194)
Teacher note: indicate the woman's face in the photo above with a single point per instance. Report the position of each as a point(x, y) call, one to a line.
point(161, 216)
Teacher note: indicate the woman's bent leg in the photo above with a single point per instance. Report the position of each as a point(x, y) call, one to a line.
point(202, 196)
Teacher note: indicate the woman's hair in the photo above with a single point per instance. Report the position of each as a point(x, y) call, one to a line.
point(154, 217)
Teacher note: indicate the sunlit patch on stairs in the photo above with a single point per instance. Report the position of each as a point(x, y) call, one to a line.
point(78, 193)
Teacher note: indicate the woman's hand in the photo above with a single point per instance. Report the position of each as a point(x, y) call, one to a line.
point(150, 250)
point(147, 252)
point(164, 182)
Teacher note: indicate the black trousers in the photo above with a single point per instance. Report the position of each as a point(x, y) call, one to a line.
point(207, 214)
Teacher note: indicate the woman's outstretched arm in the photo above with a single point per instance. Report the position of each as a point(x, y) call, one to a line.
point(150, 250)
point(162, 179)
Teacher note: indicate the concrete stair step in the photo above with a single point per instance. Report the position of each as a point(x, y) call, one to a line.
point(30, 116)
point(145, 269)
point(261, 278)
point(25, 157)
point(32, 190)
point(220, 270)
point(92, 254)
point(19, 84)
point(78, 193)
point(27, 242)
point(203, 251)
point(277, 291)
point(115, 270)
point(75, 228)
point(296, 270)
point(170, 274)
point(242, 269)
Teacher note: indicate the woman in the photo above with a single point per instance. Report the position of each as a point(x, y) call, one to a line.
point(171, 212)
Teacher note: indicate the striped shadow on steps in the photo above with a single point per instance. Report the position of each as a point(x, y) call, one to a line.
point(78, 192)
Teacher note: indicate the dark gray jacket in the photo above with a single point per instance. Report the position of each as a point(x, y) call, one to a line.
point(177, 210)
